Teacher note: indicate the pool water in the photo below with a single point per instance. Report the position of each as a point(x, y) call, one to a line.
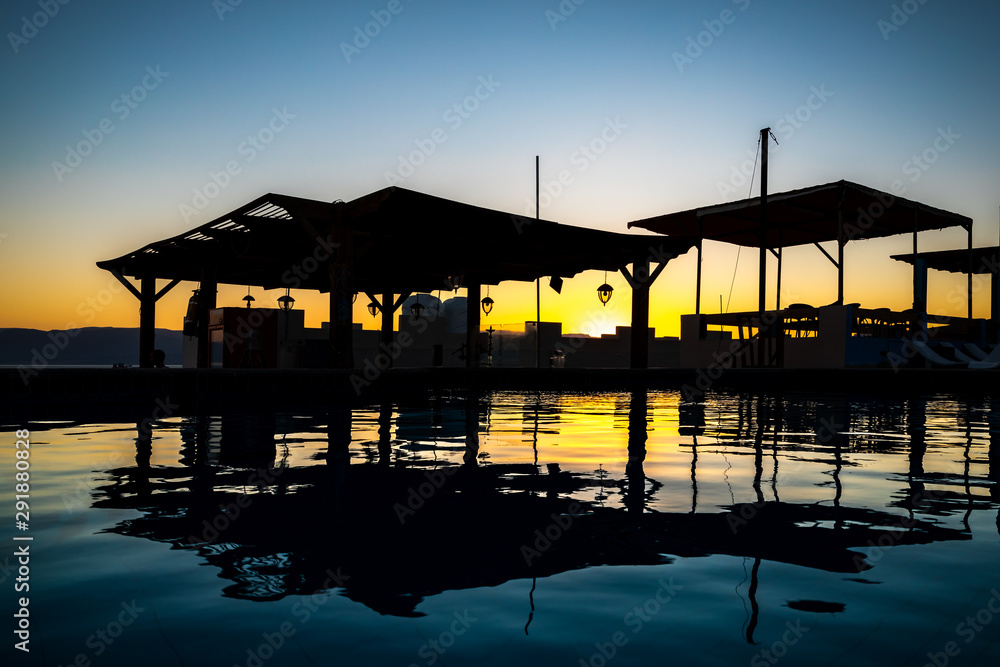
point(517, 529)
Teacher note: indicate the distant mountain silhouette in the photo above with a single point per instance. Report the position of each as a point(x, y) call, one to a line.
point(83, 347)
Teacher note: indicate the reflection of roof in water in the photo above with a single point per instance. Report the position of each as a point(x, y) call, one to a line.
point(480, 528)
point(341, 511)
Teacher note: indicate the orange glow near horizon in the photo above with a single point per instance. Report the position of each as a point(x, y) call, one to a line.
point(95, 298)
point(41, 298)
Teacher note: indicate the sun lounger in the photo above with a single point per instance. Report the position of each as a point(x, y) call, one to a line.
point(991, 360)
point(983, 361)
point(930, 355)
point(959, 355)
point(975, 351)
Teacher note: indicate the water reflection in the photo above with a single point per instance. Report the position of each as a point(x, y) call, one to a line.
point(406, 501)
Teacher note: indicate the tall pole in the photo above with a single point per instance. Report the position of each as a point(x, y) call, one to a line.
point(538, 286)
point(762, 287)
point(763, 219)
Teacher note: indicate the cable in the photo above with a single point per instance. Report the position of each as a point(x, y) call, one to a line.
point(738, 247)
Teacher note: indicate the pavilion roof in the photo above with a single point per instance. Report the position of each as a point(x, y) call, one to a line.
point(403, 241)
point(808, 215)
point(963, 260)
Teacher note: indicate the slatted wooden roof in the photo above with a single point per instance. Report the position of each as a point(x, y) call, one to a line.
point(403, 241)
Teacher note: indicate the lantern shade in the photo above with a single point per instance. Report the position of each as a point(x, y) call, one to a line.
point(416, 309)
point(191, 318)
point(249, 299)
point(286, 302)
point(487, 304)
point(604, 293)
point(373, 308)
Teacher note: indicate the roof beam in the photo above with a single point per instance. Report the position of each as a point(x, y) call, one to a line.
point(827, 255)
point(124, 281)
point(172, 284)
point(653, 275)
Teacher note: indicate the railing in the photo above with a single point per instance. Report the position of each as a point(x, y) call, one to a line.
point(761, 344)
point(794, 334)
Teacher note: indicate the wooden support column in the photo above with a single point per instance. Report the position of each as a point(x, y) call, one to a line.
point(388, 311)
point(970, 269)
point(207, 290)
point(147, 296)
point(147, 321)
point(472, 324)
point(777, 291)
point(639, 357)
point(920, 280)
point(840, 259)
point(840, 246)
point(340, 267)
point(919, 303)
point(697, 289)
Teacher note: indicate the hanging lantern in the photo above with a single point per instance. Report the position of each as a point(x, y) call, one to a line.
point(191, 318)
point(487, 302)
point(373, 307)
point(416, 309)
point(605, 290)
point(286, 302)
point(249, 298)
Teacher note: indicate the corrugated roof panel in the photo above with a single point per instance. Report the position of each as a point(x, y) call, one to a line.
point(269, 210)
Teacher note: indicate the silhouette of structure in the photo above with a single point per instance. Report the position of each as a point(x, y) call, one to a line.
point(370, 512)
point(834, 212)
point(387, 245)
point(970, 261)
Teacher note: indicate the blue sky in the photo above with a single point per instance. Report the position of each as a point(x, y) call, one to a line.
point(668, 96)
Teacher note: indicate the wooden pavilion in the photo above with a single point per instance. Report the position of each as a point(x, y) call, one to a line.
point(388, 244)
point(834, 212)
point(970, 261)
point(838, 212)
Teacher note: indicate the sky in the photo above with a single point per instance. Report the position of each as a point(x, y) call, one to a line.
point(125, 123)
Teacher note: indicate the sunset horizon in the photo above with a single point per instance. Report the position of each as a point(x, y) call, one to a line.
point(536, 332)
point(662, 117)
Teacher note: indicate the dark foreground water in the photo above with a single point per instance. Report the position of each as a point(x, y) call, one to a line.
point(516, 529)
